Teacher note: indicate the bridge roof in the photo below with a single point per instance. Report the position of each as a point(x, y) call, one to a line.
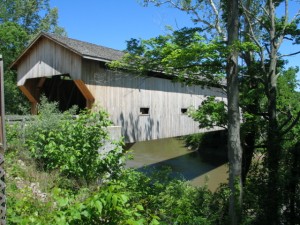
point(94, 52)
point(84, 49)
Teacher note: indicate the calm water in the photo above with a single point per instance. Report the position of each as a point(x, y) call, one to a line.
point(196, 168)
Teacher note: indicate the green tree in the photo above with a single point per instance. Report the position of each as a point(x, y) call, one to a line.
point(180, 56)
point(288, 108)
point(273, 30)
point(32, 15)
point(234, 140)
point(205, 54)
point(20, 21)
point(13, 39)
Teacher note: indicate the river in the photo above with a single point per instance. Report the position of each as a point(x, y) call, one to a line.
point(197, 168)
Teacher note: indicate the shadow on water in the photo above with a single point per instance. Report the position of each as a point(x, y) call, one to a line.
point(188, 166)
point(193, 166)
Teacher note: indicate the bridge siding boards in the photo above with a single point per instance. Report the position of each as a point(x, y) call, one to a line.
point(121, 94)
point(39, 62)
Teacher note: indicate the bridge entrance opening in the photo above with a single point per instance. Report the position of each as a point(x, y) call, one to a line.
point(59, 88)
point(63, 90)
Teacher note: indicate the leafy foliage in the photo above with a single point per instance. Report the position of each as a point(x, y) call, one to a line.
point(20, 21)
point(134, 198)
point(267, 92)
point(31, 15)
point(68, 148)
point(13, 39)
point(108, 205)
point(72, 145)
point(210, 113)
point(184, 53)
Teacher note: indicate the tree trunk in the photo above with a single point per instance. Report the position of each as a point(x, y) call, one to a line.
point(248, 151)
point(248, 143)
point(272, 206)
point(292, 184)
point(234, 145)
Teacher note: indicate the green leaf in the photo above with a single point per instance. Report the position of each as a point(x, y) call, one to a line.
point(114, 200)
point(85, 213)
point(62, 202)
point(154, 222)
point(140, 207)
point(99, 206)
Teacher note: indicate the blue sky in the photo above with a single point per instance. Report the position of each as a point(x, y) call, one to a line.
point(111, 22)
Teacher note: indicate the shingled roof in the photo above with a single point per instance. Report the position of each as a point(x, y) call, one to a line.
point(84, 49)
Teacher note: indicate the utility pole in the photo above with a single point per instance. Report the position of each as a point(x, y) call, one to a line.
point(2, 148)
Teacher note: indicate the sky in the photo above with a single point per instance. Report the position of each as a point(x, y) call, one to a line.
point(111, 23)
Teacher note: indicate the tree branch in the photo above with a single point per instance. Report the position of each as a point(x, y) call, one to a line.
point(291, 125)
point(286, 19)
point(252, 35)
point(255, 77)
point(194, 10)
point(286, 121)
point(217, 24)
point(291, 54)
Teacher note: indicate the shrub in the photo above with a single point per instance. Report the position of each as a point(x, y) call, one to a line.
point(48, 118)
point(110, 204)
point(72, 147)
point(173, 201)
point(14, 136)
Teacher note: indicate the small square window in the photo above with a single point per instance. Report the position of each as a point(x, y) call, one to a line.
point(184, 110)
point(144, 111)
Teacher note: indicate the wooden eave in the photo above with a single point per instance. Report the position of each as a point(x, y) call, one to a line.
point(44, 35)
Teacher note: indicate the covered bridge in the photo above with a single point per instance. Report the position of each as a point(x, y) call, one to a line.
point(73, 72)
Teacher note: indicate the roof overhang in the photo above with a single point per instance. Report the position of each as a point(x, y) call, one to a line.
point(45, 35)
point(35, 41)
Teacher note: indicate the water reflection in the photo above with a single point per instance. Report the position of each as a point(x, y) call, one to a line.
point(194, 166)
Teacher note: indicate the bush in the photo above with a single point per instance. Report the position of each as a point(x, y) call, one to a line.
point(140, 199)
point(110, 204)
point(14, 136)
point(72, 147)
point(135, 198)
point(173, 201)
point(69, 146)
point(23, 208)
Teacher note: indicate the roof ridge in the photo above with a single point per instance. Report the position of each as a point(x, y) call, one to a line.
point(84, 42)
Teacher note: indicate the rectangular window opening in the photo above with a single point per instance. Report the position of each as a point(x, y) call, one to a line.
point(144, 111)
point(184, 110)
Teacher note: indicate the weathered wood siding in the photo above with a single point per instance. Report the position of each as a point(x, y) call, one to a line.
point(47, 58)
point(122, 95)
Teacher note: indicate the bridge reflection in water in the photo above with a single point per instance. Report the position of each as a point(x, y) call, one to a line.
point(193, 166)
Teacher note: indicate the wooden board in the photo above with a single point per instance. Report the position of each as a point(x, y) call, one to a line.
point(122, 95)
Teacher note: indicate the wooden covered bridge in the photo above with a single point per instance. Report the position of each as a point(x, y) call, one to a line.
point(73, 72)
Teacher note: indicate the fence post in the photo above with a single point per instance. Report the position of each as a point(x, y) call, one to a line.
point(2, 147)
